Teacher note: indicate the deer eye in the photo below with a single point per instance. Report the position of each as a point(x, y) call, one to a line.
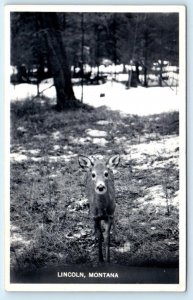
point(93, 175)
point(106, 174)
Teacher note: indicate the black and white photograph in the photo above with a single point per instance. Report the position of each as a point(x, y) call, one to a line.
point(96, 148)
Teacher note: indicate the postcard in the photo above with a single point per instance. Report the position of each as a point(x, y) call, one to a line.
point(95, 143)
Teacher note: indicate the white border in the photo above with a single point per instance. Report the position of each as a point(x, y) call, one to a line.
point(97, 8)
point(181, 9)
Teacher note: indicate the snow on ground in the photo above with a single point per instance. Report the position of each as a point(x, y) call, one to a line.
point(140, 100)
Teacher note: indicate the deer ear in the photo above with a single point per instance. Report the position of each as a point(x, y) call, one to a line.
point(92, 159)
point(113, 161)
point(84, 162)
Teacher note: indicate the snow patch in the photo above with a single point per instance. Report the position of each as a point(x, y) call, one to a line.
point(166, 145)
point(16, 237)
point(126, 247)
point(66, 158)
point(139, 101)
point(56, 147)
point(56, 135)
point(22, 129)
point(34, 151)
point(156, 196)
point(155, 154)
point(99, 141)
point(17, 157)
point(81, 140)
point(96, 133)
point(103, 122)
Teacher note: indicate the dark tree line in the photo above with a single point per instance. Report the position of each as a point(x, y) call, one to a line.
point(61, 40)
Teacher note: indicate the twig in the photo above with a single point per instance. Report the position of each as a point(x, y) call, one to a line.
point(42, 92)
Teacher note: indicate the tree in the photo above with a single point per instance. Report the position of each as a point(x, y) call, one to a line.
point(157, 41)
point(59, 41)
point(50, 26)
point(37, 40)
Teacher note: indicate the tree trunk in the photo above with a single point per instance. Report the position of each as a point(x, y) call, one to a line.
point(137, 72)
point(145, 77)
point(115, 43)
point(146, 59)
point(82, 56)
point(160, 73)
point(58, 60)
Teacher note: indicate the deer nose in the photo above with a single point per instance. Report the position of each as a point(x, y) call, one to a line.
point(101, 187)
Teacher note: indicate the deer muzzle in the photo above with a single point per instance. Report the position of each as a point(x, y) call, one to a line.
point(101, 188)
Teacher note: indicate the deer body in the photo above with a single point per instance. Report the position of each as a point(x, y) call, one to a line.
point(101, 196)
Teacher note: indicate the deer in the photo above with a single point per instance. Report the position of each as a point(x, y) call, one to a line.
point(101, 196)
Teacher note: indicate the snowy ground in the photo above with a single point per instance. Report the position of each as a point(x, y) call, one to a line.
point(140, 101)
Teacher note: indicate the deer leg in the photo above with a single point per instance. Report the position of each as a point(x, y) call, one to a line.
point(108, 224)
point(99, 237)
